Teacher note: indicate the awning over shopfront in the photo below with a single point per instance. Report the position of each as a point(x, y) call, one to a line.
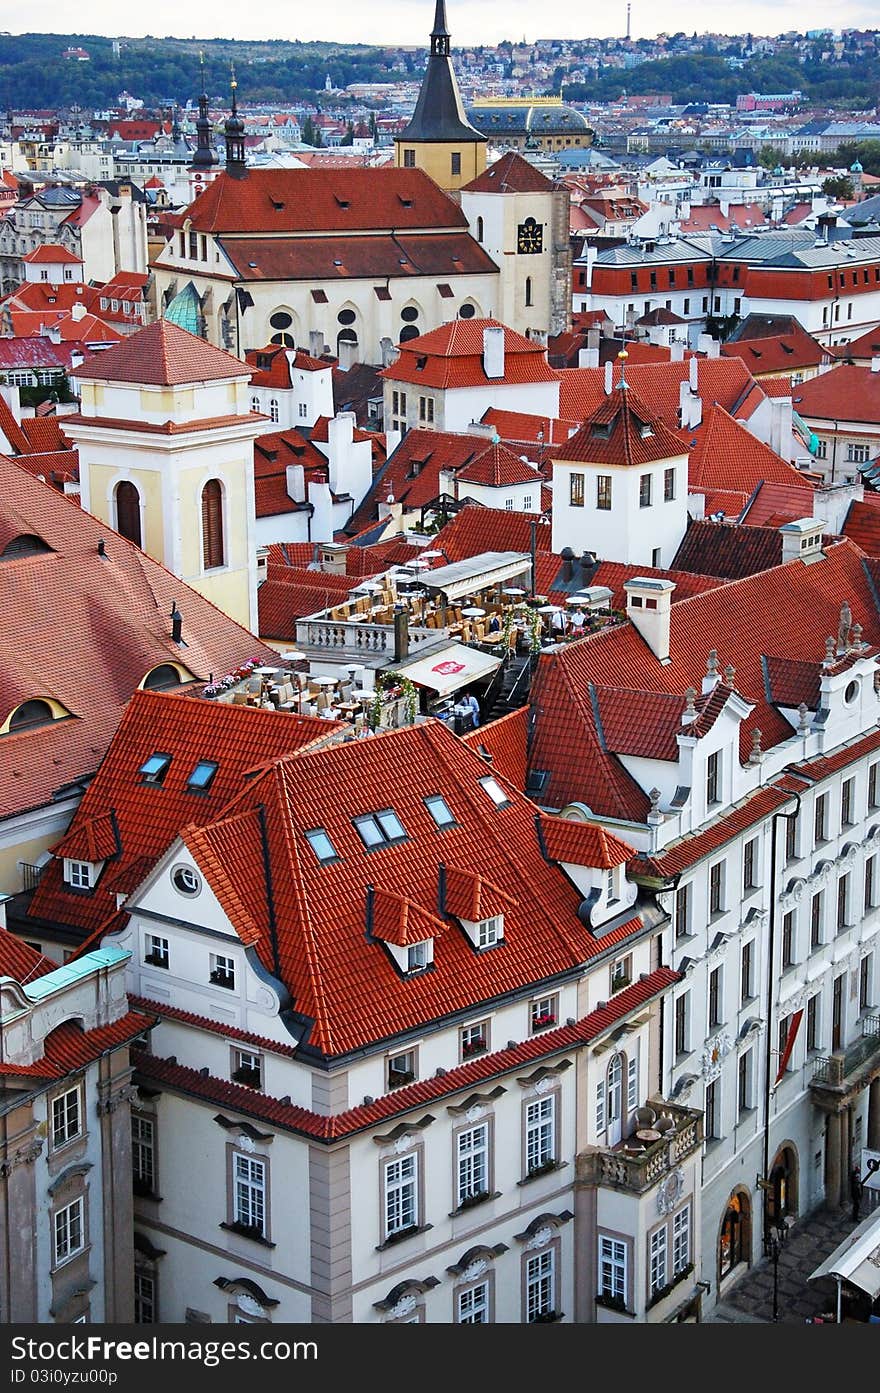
point(449, 669)
point(857, 1259)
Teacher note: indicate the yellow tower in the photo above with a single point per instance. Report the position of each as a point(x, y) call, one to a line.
point(439, 139)
point(165, 435)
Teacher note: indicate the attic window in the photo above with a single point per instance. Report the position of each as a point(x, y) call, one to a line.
point(601, 431)
point(319, 297)
point(536, 781)
point(343, 202)
point(380, 829)
point(264, 360)
point(30, 715)
point(418, 956)
point(202, 776)
point(154, 769)
point(645, 431)
point(277, 204)
point(495, 792)
point(406, 202)
point(490, 931)
point(321, 845)
point(25, 544)
point(440, 811)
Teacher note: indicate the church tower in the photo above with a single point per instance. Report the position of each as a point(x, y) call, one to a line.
point(233, 131)
point(439, 139)
point(165, 435)
point(205, 164)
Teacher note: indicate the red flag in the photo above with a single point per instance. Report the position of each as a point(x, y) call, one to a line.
point(793, 1026)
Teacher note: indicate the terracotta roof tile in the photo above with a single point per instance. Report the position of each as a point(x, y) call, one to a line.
point(728, 550)
point(324, 258)
point(497, 466)
point(510, 174)
point(584, 843)
point(163, 355)
point(846, 393)
point(452, 357)
point(862, 524)
point(727, 456)
point(505, 740)
point(621, 431)
point(721, 380)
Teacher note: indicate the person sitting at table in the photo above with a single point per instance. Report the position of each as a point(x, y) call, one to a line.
point(494, 625)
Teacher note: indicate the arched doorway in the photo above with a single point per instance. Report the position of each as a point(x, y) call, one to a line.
point(614, 1088)
point(735, 1239)
point(128, 511)
point(782, 1197)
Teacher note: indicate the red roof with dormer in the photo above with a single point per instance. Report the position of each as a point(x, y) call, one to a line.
point(725, 381)
point(621, 431)
point(451, 356)
point(497, 467)
point(53, 253)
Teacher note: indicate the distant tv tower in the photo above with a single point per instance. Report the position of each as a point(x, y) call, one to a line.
point(628, 9)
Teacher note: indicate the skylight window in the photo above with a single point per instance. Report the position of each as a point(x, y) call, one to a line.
point(202, 776)
point(380, 829)
point(440, 811)
point(155, 768)
point(495, 792)
point(321, 845)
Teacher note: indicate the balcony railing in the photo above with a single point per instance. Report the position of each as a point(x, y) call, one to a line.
point(837, 1070)
point(351, 637)
point(625, 1170)
point(30, 875)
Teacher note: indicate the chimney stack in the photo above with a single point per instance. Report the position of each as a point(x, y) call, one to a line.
point(176, 623)
point(693, 368)
point(875, 364)
point(493, 351)
point(609, 369)
point(649, 608)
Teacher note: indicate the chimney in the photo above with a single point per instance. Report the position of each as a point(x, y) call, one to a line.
point(493, 351)
point(802, 539)
point(176, 623)
point(316, 343)
point(693, 369)
point(588, 357)
point(401, 635)
point(691, 406)
point(713, 348)
point(875, 364)
point(649, 607)
point(348, 355)
point(780, 425)
point(609, 369)
point(567, 563)
point(295, 482)
point(677, 353)
point(77, 311)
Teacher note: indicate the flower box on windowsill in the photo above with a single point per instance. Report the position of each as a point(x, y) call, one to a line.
point(398, 1077)
point(613, 1303)
point(543, 1022)
point(535, 1171)
point(252, 1231)
point(475, 1047)
point(664, 1291)
point(222, 979)
point(398, 1237)
point(154, 960)
point(620, 983)
point(470, 1201)
point(546, 1317)
point(249, 1077)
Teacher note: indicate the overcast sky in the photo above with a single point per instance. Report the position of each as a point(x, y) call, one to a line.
point(471, 21)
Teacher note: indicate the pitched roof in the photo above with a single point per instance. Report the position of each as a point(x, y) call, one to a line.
point(779, 353)
point(845, 393)
point(324, 200)
point(723, 380)
point(862, 524)
point(772, 504)
point(504, 741)
point(621, 431)
point(745, 620)
point(163, 355)
point(452, 356)
point(117, 603)
point(510, 174)
point(341, 258)
point(474, 530)
point(583, 843)
point(128, 821)
point(727, 549)
point(496, 467)
point(347, 986)
point(727, 456)
point(52, 252)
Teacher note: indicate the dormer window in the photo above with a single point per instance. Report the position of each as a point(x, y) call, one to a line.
point(154, 769)
point(380, 829)
point(495, 792)
point(611, 884)
point(490, 931)
point(713, 778)
point(418, 956)
point(78, 874)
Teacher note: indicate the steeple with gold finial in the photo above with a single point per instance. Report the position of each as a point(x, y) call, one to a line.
point(233, 131)
point(439, 139)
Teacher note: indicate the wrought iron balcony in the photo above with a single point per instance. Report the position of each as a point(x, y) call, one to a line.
point(624, 1168)
point(853, 1067)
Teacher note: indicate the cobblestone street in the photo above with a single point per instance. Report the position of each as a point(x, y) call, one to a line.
point(809, 1243)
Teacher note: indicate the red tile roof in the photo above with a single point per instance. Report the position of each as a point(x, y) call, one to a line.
point(44, 434)
point(52, 252)
point(118, 606)
point(474, 530)
point(621, 431)
point(452, 356)
point(124, 820)
point(163, 355)
point(276, 369)
point(510, 174)
point(505, 740)
point(727, 456)
point(846, 393)
point(324, 200)
point(324, 258)
point(321, 1127)
point(286, 596)
point(722, 380)
point(398, 920)
point(776, 503)
point(583, 843)
point(688, 851)
point(412, 472)
point(726, 549)
point(788, 352)
point(862, 524)
point(745, 620)
point(497, 466)
point(867, 345)
point(10, 428)
point(347, 986)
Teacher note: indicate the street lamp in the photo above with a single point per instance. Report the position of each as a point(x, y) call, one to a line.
point(775, 1235)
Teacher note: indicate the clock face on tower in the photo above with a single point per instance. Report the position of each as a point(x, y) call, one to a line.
point(530, 236)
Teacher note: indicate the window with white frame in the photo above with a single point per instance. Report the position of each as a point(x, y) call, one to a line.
point(472, 1160)
point(273, 410)
point(144, 1299)
point(612, 1269)
point(401, 1068)
point(544, 1012)
point(473, 1305)
point(143, 1154)
point(681, 1239)
point(632, 1082)
point(68, 1230)
point(657, 1252)
point(474, 1039)
point(611, 885)
point(621, 973)
point(540, 1134)
point(600, 1106)
point(247, 1067)
point(418, 956)
point(79, 875)
point(249, 1193)
point(156, 950)
point(66, 1117)
point(401, 1195)
point(490, 931)
point(222, 971)
point(540, 1283)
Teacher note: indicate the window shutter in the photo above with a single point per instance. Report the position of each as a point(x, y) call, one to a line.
point(600, 1106)
point(632, 1083)
point(212, 524)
